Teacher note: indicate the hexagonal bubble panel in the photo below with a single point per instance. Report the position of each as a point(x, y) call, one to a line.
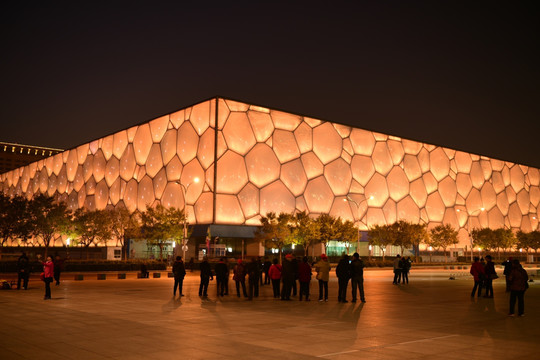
point(448, 191)
point(517, 179)
point(178, 118)
point(205, 152)
point(375, 216)
point(78, 182)
point(173, 196)
point(489, 197)
point(497, 181)
point(101, 195)
point(514, 215)
point(495, 218)
point(294, 177)
point(73, 201)
point(505, 173)
point(435, 207)
point(285, 121)
point(128, 164)
point(58, 163)
point(90, 186)
point(262, 165)
point(115, 192)
point(486, 169)
point(203, 209)
point(188, 142)
point(231, 173)
point(249, 200)
point(339, 177)
point(285, 147)
point(411, 147)
point(450, 217)
point(168, 146)
point(411, 167)
point(228, 210)
point(160, 182)
point(130, 195)
point(341, 209)
point(463, 162)
point(158, 127)
point(318, 196)
point(390, 213)
point(174, 169)
point(200, 116)
point(81, 197)
point(534, 194)
point(90, 203)
point(62, 182)
point(43, 180)
point(418, 192)
point(263, 126)
point(382, 159)
point(439, 164)
point(396, 151)
point(304, 137)
point(154, 162)
point(48, 163)
point(327, 144)
point(120, 142)
point(142, 143)
point(398, 184)
point(94, 147)
point(238, 133)
point(511, 194)
point(474, 201)
point(464, 184)
point(51, 189)
point(423, 160)
point(362, 141)
point(99, 164)
point(408, 210)
point(523, 201)
point(377, 188)
point(534, 176)
point(477, 175)
point(276, 197)
point(145, 193)
point(236, 105)
point(71, 165)
point(107, 146)
point(191, 171)
point(312, 165)
point(431, 183)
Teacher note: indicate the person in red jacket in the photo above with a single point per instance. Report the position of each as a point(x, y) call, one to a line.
point(478, 273)
point(275, 276)
point(48, 270)
point(304, 276)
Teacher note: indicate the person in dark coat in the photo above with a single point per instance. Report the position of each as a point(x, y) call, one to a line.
point(254, 274)
point(222, 278)
point(507, 268)
point(294, 262)
point(23, 271)
point(260, 267)
point(239, 276)
point(398, 264)
point(343, 273)
point(206, 276)
point(304, 276)
point(478, 273)
point(518, 284)
point(357, 278)
point(491, 274)
point(179, 272)
point(287, 276)
point(266, 269)
point(58, 268)
point(405, 269)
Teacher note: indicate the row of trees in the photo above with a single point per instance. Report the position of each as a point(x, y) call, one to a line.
point(505, 239)
point(44, 218)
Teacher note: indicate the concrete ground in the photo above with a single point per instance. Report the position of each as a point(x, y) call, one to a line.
point(432, 317)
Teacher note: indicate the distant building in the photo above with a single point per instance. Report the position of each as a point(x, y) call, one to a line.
point(13, 156)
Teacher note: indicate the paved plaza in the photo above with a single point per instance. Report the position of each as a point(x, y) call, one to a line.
point(431, 318)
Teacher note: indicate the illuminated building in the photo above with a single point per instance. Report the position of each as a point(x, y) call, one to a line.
point(13, 156)
point(254, 160)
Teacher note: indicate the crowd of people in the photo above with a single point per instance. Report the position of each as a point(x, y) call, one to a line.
point(483, 272)
point(52, 269)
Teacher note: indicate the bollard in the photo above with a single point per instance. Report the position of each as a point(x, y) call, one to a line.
point(79, 277)
point(121, 276)
point(156, 275)
point(102, 276)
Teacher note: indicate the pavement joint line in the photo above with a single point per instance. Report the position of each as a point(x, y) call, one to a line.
point(338, 353)
point(427, 339)
point(230, 333)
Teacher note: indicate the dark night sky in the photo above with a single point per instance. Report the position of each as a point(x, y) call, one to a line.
point(456, 74)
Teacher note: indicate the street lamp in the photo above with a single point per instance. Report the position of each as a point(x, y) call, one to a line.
point(184, 192)
point(350, 199)
point(468, 227)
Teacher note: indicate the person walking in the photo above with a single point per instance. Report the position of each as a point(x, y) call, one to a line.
point(288, 274)
point(357, 278)
point(518, 284)
point(323, 275)
point(405, 269)
point(23, 271)
point(491, 274)
point(477, 271)
point(179, 272)
point(48, 275)
point(274, 273)
point(254, 275)
point(222, 278)
point(266, 267)
point(206, 276)
point(397, 269)
point(304, 276)
point(343, 273)
point(58, 268)
point(239, 276)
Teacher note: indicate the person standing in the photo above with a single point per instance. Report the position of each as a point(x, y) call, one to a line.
point(506, 272)
point(274, 273)
point(477, 271)
point(254, 275)
point(343, 273)
point(23, 271)
point(239, 276)
point(266, 269)
point(323, 275)
point(518, 284)
point(222, 278)
point(48, 272)
point(405, 269)
point(58, 268)
point(491, 274)
point(304, 276)
point(179, 272)
point(294, 287)
point(357, 278)
point(288, 274)
point(397, 269)
point(206, 276)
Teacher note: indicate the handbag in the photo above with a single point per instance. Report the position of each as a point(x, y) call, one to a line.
point(42, 276)
point(493, 276)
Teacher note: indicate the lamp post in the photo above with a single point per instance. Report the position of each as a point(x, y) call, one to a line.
point(350, 199)
point(468, 227)
point(184, 193)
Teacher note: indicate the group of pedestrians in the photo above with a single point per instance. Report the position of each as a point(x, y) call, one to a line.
point(483, 272)
point(52, 269)
point(402, 267)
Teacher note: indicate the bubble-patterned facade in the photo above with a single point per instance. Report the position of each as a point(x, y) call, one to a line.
point(252, 160)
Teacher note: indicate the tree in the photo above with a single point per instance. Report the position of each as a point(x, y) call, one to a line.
point(443, 236)
point(381, 236)
point(276, 231)
point(483, 238)
point(161, 224)
point(349, 233)
point(503, 239)
point(91, 227)
point(418, 234)
point(14, 219)
point(329, 227)
point(534, 240)
point(124, 225)
point(402, 234)
point(305, 230)
point(48, 218)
